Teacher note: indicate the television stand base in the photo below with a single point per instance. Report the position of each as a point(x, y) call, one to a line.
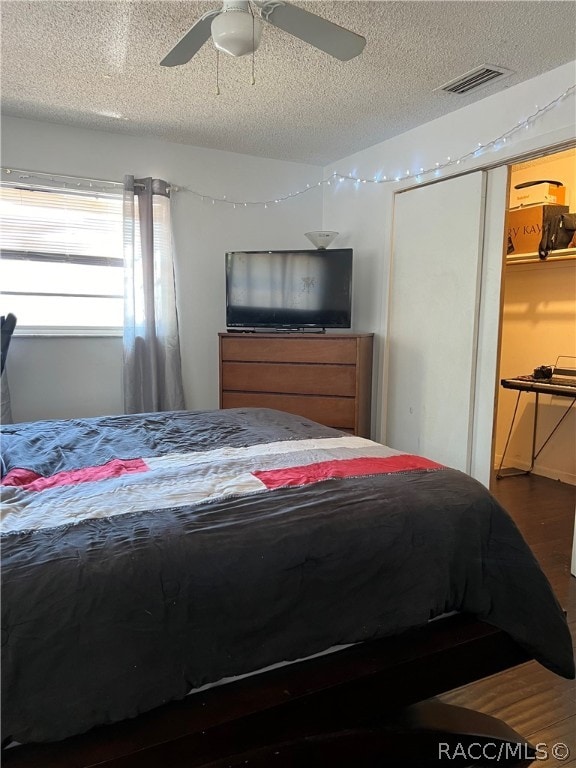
point(292, 330)
point(276, 330)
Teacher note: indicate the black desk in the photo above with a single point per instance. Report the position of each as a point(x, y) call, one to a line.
point(538, 387)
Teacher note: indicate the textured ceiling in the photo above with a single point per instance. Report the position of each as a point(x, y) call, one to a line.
point(96, 65)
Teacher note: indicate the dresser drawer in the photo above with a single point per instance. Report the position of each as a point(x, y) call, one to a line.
point(274, 349)
point(300, 378)
point(332, 411)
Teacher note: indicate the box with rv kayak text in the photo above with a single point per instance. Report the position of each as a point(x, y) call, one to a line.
point(525, 226)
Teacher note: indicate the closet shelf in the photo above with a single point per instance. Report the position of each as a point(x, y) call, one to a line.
point(562, 254)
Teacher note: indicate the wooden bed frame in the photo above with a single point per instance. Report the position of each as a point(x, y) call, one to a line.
point(352, 708)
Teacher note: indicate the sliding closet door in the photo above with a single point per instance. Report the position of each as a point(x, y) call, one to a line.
point(433, 319)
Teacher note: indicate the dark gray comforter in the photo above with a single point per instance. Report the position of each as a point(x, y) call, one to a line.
point(106, 614)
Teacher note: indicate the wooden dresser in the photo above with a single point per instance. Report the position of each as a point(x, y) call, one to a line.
point(324, 377)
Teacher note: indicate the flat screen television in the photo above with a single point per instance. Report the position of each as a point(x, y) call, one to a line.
point(289, 289)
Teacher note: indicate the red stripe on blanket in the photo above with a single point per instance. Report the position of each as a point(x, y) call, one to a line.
point(32, 481)
point(325, 470)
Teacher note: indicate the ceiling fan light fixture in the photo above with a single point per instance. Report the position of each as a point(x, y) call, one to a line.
point(236, 32)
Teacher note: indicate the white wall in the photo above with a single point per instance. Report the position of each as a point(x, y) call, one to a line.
point(61, 378)
point(363, 212)
point(64, 378)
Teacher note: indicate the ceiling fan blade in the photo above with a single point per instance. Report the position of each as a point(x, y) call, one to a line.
point(191, 43)
point(321, 33)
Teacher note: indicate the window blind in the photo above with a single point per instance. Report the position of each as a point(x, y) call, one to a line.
point(67, 224)
point(62, 257)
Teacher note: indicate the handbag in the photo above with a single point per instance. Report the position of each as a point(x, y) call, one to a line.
point(558, 232)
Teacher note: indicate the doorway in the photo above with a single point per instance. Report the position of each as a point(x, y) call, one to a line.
point(538, 325)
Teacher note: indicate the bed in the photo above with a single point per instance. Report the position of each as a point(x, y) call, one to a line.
point(151, 555)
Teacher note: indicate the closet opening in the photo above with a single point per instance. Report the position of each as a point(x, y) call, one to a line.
point(535, 419)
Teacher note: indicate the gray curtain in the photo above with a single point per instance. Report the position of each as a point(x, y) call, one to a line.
point(5, 407)
point(152, 367)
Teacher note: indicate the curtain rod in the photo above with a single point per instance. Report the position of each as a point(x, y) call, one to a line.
point(56, 176)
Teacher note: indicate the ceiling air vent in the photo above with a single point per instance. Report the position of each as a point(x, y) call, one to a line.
point(475, 79)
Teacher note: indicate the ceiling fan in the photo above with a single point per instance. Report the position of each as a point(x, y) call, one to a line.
point(236, 30)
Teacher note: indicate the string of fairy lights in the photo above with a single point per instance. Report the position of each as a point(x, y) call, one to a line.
point(336, 178)
point(408, 174)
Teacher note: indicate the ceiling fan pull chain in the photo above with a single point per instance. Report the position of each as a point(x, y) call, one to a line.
point(217, 72)
point(253, 46)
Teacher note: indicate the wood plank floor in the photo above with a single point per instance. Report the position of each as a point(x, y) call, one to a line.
point(530, 699)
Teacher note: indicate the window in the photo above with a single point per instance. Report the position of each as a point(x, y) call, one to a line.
point(62, 263)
